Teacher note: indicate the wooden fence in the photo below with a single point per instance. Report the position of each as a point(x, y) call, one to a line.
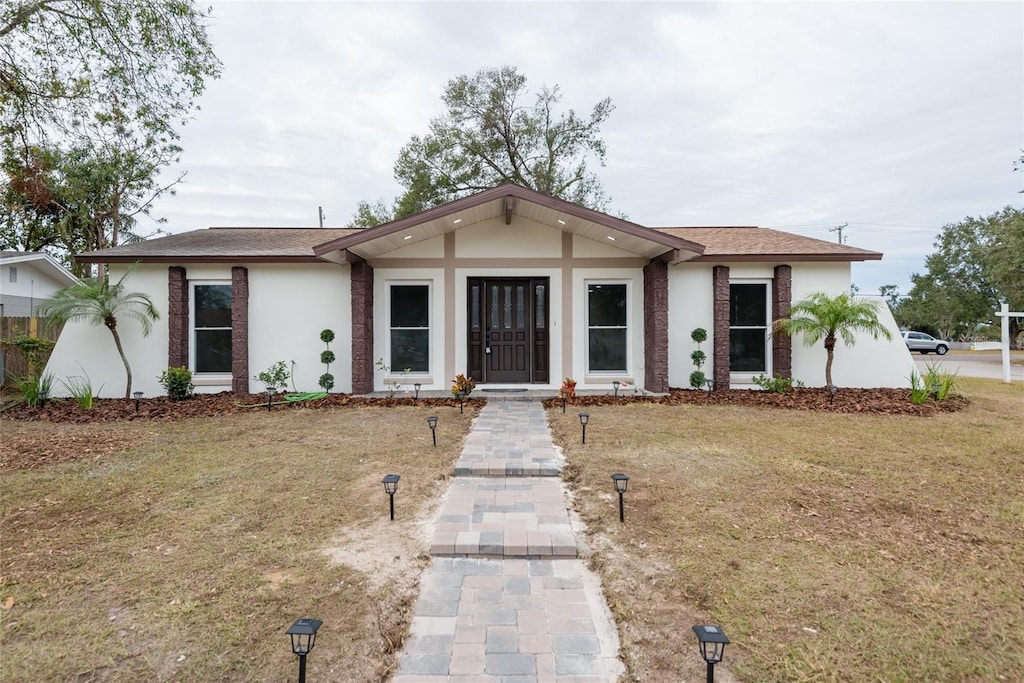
point(12, 361)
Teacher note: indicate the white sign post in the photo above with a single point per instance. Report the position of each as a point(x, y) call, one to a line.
point(1005, 313)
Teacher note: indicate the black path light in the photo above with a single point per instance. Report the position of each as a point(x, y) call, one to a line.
point(136, 395)
point(432, 422)
point(44, 395)
point(584, 419)
point(711, 384)
point(621, 482)
point(303, 635)
point(417, 387)
point(832, 391)
point(615, 385)
point(712, 646)
point(564, 395)
point(461, 397)
point(270, 396)
point(390, 482)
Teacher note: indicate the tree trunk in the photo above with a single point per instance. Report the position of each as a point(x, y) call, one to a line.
point(112, 326)
point(830, 345)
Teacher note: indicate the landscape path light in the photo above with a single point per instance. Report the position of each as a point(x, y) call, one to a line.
point(712, 646)
point(832, 390)
point(136, 395)
point(432, 422)
point(615, 386)
point(711, 384)
point(621, 482)
point(460, 396)
point(303, 635)
point(270, 396)
point(584, 419)
point(417, 387)
point(44, 395)
point(564, 395)
point(390, 482)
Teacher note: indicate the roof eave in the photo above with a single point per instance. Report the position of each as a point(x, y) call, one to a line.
point(866, 256)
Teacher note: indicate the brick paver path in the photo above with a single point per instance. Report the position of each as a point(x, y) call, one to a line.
point(498, 604)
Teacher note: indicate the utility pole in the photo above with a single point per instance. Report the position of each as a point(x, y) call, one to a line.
point(838, 228)
point(320, 210)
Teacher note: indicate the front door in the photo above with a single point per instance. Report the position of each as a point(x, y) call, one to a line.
point(508, 330)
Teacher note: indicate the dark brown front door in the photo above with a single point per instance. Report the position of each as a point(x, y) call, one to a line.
point(508, 330)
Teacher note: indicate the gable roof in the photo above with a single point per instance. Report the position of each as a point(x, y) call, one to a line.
point(748, 243)
point(41, 261)
point(509, 200)
point(214, 245)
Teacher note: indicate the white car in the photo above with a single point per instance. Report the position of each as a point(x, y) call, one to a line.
point(925, 343)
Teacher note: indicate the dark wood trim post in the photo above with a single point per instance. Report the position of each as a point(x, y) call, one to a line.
point(362, 327)
point(720, 331)
point(782, 344)
point(177, 317)
point(656, 327)
point(240, 330)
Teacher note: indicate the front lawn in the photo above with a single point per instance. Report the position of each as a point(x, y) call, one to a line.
point(182, 550)
point(829, 546)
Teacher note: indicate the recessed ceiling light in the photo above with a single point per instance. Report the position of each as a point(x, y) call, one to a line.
point(610, 237)
point(456, 221)
point(407, 237)
point(561, 222)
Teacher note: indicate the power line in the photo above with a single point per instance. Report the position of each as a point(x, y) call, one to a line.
point(839, 229)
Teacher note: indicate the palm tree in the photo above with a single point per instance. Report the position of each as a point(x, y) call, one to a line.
point(830, 317)
point(98, 302)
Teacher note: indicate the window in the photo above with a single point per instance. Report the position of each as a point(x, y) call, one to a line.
point(607, 331)
point(410, 328)
point(748, 328)
point(211, 324)
point(12, 273)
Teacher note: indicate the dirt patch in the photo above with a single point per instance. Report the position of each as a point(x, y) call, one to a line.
point(52, 444)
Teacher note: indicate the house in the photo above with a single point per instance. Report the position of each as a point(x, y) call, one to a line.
point(27, 278)
point(510, 286)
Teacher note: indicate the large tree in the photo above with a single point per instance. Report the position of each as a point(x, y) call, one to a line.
point(495, 131)
point(976, 263)
point(97, 302)
point(832, 318)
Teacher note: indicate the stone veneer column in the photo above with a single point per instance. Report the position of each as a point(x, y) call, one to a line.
point(656, 326)
point(177, 317)
point(720, 331)
point(362, 328)
point(240, 330)
point(782, 344)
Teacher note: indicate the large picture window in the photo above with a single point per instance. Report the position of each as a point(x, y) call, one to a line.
point(409, 328)
point(211, 324)
point(748, 328)
point(607, 330)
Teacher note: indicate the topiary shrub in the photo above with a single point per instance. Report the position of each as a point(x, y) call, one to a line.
point(697, 377)
point(326, 380)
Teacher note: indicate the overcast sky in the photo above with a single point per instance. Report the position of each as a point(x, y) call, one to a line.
point(895, 118)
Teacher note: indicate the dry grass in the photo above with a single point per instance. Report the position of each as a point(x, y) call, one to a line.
point(830, 547)
point(187, 556)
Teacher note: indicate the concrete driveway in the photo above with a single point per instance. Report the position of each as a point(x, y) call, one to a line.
point(974, 363)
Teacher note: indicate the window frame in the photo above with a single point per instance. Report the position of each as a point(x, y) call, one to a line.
point(747, 376)
point(389, 328)
point(587, 327)
point(192, 346)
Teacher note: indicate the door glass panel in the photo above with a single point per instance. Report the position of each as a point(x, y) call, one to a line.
point(539, 307)
point(507, 308)
point(474, 307)
point(494, 306)
point(520, 306)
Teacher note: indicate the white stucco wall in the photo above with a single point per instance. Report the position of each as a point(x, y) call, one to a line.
point(869, 363)
point(523, 239)
point(288, 307)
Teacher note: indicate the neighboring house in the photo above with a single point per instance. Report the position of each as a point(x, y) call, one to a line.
point(27, 278)
point(510, 286)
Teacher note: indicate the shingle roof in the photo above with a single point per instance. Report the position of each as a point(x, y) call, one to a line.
point(751, 243)
point(223, 244)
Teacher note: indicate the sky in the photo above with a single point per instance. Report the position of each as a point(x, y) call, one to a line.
point(893, 118)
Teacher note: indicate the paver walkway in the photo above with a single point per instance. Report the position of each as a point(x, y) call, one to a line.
point(499, 603)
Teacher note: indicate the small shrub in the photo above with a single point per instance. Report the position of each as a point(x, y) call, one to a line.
point(177, 382)
point(464, 384)
point(274, 376)
point(326, 381)
point(327, 357)
point(778, 385)
point(34, 389)
point(940, 384)
point(569, 387)
point(918, 389)
point(327, 336)
point(698, 379)
point(699, 335)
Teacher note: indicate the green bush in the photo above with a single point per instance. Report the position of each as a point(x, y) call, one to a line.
point(699, 335)
point(326, 381)
point(779, 385)
point(81, 389)
point(327, 357)
point(34, 389)
point(177, 382)
point(698, 379)
point(275, 376)
point(327, 336)
point(940, 384)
